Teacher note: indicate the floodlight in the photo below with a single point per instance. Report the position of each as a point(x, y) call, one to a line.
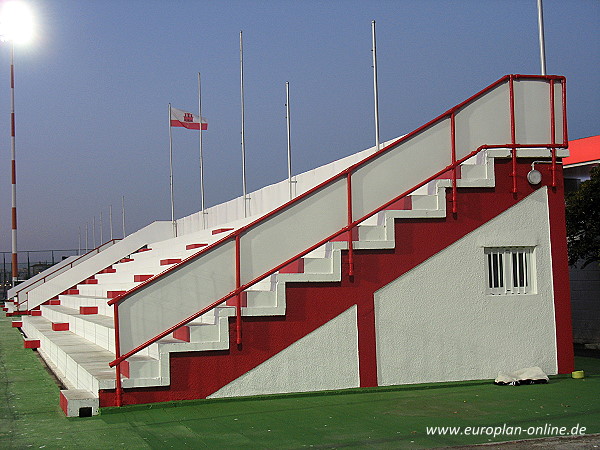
point(16, 22)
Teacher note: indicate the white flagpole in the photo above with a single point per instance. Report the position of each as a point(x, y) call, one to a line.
point(171, 175)
point(110, 219)
point(243, 137)
point(101, 226)
point(123, 213)
point(201, 159)
point(94, 231)
point(375, 91)
point(289, 141)
point(541, 36)
point(87, 247)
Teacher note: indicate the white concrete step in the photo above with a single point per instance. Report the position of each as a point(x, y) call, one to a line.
point(101, 290)
point(79, 363)
point(95, 328)
point(78, 301)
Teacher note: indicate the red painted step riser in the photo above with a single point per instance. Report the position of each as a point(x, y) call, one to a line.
point(60, 326)
point(71, 292)
point(85, 310)
point(243, 300)
point(33, 343)
point(125, 369)
point(114, 294)
point(193, 246)
point(183, 334)
point(221, 230)
point(166, 262)
point(296, 266)
point(141, 278)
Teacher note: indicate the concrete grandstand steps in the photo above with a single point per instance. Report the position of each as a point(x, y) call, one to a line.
point(80, 355)
point(79, 363)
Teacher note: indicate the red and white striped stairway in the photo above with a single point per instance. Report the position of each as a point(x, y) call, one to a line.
point(195, 316)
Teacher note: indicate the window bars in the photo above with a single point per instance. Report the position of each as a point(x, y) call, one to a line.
point(509, 270)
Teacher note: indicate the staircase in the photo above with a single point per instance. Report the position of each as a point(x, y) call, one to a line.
point(154, 312)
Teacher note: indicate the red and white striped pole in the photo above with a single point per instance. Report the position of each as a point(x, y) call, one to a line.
point(15, 266)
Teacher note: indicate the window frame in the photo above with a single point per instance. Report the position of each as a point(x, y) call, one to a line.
point(509, 270)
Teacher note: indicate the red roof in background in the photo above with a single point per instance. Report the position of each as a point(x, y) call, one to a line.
point(583, 151)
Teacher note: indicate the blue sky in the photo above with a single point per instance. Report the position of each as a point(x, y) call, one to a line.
point(92, 92)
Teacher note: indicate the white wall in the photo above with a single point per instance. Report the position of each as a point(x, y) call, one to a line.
point(270, 197)
point(325, 359)
point(436, 323)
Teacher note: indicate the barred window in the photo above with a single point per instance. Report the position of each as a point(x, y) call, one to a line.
point(509, 270)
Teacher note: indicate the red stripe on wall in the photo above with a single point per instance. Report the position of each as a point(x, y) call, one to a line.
point(560, 275)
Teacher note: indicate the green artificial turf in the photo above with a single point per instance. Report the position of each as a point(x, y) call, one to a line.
point(381, 417)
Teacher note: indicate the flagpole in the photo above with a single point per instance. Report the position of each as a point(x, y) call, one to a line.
point(289, 141)
point(171, 176)
point(243, 137)
point(375, 90)
point(540, 8)
point(201, 159)
point(110, 219)
point(123, 213)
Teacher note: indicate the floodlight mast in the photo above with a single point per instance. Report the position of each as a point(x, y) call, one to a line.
point(16, 25)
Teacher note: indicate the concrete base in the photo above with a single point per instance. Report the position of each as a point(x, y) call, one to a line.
point(78, 403)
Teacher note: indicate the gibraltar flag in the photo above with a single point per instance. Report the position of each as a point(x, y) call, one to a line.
point(187, 120)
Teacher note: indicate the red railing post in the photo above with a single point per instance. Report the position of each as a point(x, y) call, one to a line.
point(350, 245)
point(453, 146)
point(563, 83)
point(513, 136)
point(118, 387)
point(553, 132)
point(238, 297)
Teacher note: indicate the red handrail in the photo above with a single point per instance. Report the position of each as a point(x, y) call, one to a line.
point(70, 265)
point(347, 173)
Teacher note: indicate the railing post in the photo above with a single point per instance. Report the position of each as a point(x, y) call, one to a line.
point(553, 132)
point(238, 297)
point(453, 146)
point(563, 83)
point(513, 137)
point(350, 244)
point(118, 386)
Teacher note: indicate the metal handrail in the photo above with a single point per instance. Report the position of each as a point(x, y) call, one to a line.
point(352, 223)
